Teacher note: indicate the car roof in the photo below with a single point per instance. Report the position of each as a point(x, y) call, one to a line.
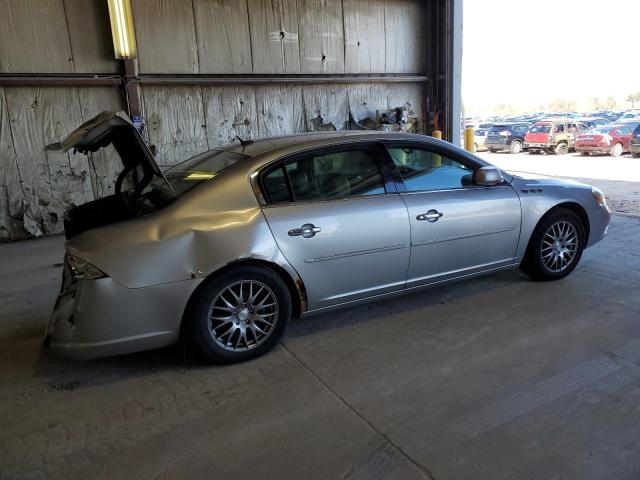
point(274, 145)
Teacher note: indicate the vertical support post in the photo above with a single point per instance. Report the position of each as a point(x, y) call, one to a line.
point(455, 110)
point(132, 87)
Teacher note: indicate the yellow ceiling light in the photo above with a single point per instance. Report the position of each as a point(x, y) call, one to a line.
point(124, 38)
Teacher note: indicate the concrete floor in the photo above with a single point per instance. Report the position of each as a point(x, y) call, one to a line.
point(495, 378)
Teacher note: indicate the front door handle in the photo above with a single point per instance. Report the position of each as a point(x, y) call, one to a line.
point(307, 230)
point(431, 216)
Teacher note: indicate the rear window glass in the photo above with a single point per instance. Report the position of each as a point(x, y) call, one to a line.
point(540, 128)
point(196, 170)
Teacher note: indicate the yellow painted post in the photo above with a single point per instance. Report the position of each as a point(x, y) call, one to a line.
point(437, 159)
point(468, 139)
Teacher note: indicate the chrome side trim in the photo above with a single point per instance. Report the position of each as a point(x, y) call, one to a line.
point(460, 189)
point(353, 254)
point(460, 237)
point(404, 291)
point(330, 200)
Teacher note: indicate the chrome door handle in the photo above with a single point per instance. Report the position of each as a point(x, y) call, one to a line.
point(307, 230)
point(431, 216)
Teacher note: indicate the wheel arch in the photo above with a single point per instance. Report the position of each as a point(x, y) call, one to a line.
point(295, 286)
point(575, 208)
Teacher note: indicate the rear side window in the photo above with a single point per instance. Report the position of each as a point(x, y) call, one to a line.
point(325, 176)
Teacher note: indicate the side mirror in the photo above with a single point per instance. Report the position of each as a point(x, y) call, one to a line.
point(487, 176)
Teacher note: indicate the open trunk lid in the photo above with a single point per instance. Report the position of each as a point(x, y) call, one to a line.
point(111, 127)
point(116, 128)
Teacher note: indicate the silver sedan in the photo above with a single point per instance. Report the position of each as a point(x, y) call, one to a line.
point(225, 248)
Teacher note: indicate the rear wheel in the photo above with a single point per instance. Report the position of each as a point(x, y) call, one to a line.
point(635, 155)
point(584, 154)
point(533, 151)
point(616, 150)
point(492, 150)
point(561, 149)
point(238, 315)
point(555, 247)
point(516, 147)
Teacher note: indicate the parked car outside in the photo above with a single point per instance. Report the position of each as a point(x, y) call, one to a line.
point(479, 138)
point(506, 137)
point(606, 140)
point(554, 135)
point(224, 249)
point(634, 143)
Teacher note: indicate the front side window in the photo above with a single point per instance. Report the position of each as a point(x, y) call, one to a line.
point(326, 176)
point(424, 170)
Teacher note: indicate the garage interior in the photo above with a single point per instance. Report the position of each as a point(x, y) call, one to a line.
point(498, 377)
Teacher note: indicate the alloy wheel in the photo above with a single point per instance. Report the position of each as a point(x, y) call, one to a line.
point(243, 315)
point(559, 246)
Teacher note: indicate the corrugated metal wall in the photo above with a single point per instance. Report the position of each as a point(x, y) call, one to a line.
point(187, 37)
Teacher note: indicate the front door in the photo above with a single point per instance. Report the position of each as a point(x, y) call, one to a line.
point(457, 228)
point(338, 223)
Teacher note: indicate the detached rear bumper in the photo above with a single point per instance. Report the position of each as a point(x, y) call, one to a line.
point(99, 318)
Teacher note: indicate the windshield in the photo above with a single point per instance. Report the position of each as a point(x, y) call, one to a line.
point(186, 175)
point(540, 128)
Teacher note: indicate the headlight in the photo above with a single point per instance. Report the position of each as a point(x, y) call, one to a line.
point(598, 196)
point(82, 269)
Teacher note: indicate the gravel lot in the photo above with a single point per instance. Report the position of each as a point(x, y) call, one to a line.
point(618, 177)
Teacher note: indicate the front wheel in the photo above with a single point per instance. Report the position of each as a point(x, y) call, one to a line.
point(555, 247)
point(238, 315)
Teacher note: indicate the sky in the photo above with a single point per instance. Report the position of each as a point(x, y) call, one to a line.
point(531, 53)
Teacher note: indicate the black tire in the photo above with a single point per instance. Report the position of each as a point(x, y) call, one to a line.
point(533, 264)
point(616, 150)
point(584, 154)
point(199, 314)
point(635, 155)
point(516, 146)
point(533, 151)
point(492, 150)
point(561, 149)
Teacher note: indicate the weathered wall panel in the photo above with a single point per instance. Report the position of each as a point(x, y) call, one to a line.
point(90, 35)
point(410, 95)
point(229, 111)
point(365, 99)
point(11, 202)
point(274, 36)
point(326, 107)
point(280, 110)
point(175, 122)
point(33, 37)
point(404, 36)
point(321, 36)
point(364, 41)
point(222, 28)
point(52, 181)
point(166, 37)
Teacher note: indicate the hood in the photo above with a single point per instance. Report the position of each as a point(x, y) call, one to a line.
point(111, 127)
point(535, 179)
